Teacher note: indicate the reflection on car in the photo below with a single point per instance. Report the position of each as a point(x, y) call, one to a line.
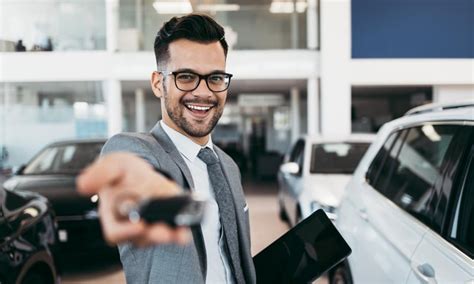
point(315, 172)
point(27, 238)
point(409, 209)
point(52, 173)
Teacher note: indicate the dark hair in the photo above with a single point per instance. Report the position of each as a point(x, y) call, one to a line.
point(195, 27)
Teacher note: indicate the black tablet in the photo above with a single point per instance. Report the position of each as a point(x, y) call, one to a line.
point(302, 254)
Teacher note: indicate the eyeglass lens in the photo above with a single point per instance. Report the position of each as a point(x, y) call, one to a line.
point(188, 81)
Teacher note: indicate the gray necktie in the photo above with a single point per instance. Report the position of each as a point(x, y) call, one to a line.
point(226, 208)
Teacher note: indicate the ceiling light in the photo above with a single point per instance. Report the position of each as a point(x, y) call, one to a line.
point(286, 6)
point(173, 7)
point(218, 7)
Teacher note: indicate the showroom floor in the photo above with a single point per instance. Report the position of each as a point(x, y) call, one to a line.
point(265, 228)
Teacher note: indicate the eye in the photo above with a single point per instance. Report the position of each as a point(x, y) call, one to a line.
point(217, 78)
point(186, 77)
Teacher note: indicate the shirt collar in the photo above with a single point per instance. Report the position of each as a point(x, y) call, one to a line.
point(185, 146)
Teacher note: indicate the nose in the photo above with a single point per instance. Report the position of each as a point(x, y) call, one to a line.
point(202, 88)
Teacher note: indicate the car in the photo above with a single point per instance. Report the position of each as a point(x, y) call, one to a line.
point(27, 239)
point(409, 209)
point(52, 173)
point(314, 173)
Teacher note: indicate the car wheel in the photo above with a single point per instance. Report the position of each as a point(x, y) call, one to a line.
point(38, 276)
point(340, 275)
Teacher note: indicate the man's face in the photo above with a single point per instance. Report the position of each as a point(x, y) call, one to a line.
point(193, 113)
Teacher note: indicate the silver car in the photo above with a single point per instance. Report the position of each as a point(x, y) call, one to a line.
point(314, 173)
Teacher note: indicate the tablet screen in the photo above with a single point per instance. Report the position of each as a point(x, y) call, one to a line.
point(302, 254)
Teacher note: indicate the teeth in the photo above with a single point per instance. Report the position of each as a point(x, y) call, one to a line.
point(201, 108)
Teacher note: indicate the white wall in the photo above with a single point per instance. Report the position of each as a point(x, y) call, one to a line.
point(453, 93)
point(335, 67)
point(101, 65)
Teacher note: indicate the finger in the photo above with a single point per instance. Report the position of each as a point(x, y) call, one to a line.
point(114, 229)
point(119, 232)
point(104, 171)
point(182, 235)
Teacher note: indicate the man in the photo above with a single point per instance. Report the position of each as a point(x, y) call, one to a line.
point(192, 84)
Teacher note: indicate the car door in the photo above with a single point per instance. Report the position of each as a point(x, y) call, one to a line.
point(400, 182)
point(448, 257)
point(291, 184)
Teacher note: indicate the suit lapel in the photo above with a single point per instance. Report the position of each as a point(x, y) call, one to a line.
point(163, 139)
point(165, 142)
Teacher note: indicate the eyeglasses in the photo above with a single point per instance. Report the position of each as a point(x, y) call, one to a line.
point(188, 81)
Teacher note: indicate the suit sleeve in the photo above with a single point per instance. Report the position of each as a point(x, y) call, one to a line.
point(126, 142)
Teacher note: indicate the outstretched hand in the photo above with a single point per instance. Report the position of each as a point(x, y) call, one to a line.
point(118, 175)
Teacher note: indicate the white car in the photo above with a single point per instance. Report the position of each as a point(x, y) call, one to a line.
point(315, 172)
point(408, 212)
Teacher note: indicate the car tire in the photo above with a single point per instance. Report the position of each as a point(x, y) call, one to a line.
point(38, 276)
point(340, 275)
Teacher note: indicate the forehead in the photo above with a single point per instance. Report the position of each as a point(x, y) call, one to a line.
point(201, 57)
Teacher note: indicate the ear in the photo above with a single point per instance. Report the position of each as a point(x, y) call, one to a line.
point(156, 83)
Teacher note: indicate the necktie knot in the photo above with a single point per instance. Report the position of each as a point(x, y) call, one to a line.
point(207, 156)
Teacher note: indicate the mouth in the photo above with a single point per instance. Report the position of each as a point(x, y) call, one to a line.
point(199, 110)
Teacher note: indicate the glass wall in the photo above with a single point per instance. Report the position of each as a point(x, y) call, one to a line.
point(372, 106)
point(249, 24)
point(35, 114)
point(52, 25)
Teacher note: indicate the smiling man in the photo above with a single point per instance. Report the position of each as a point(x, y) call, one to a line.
point(192, 84)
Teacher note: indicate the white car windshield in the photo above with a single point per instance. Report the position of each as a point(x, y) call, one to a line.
point(63, 159)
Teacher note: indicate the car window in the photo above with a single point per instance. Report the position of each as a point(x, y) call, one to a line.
point(67, 159)
point(44, 162)
point(376, 165)
point(387, 160)
point(413, 166)
point(297, 154)
point(336, 158)
point(296, 151)
point(446, 188)
point(462, 231)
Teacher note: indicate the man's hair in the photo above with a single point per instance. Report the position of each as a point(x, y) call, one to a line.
point(195, 27)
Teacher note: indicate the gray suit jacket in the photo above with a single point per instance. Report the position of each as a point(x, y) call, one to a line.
point(174, 263)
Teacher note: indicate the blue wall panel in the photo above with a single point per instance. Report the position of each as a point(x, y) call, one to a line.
point(412, 28)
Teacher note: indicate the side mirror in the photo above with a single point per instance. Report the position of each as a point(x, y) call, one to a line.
point(290, 168)
point(18, 170)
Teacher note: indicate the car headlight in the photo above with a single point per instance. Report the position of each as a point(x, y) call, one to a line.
point(10, 184)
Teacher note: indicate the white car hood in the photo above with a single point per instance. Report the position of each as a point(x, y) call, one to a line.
point(326, 189)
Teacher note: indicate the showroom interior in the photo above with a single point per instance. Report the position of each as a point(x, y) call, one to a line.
point(322, 68)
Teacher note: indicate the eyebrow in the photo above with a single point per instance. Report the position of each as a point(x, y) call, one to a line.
point(194, 71)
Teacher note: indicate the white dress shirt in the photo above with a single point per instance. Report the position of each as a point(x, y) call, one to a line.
point(218, 265)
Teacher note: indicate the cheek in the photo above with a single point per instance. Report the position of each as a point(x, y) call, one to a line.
point(222, 99)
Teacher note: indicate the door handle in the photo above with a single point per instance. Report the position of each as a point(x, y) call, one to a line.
point(425, 273)
point(363, 214)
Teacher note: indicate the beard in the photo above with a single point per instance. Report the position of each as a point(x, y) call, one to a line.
point(192, 127)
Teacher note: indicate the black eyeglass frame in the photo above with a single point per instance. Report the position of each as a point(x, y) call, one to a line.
point(201, 77)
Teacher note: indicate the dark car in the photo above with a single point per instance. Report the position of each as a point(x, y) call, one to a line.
point(52, 173)
point(27, 238)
